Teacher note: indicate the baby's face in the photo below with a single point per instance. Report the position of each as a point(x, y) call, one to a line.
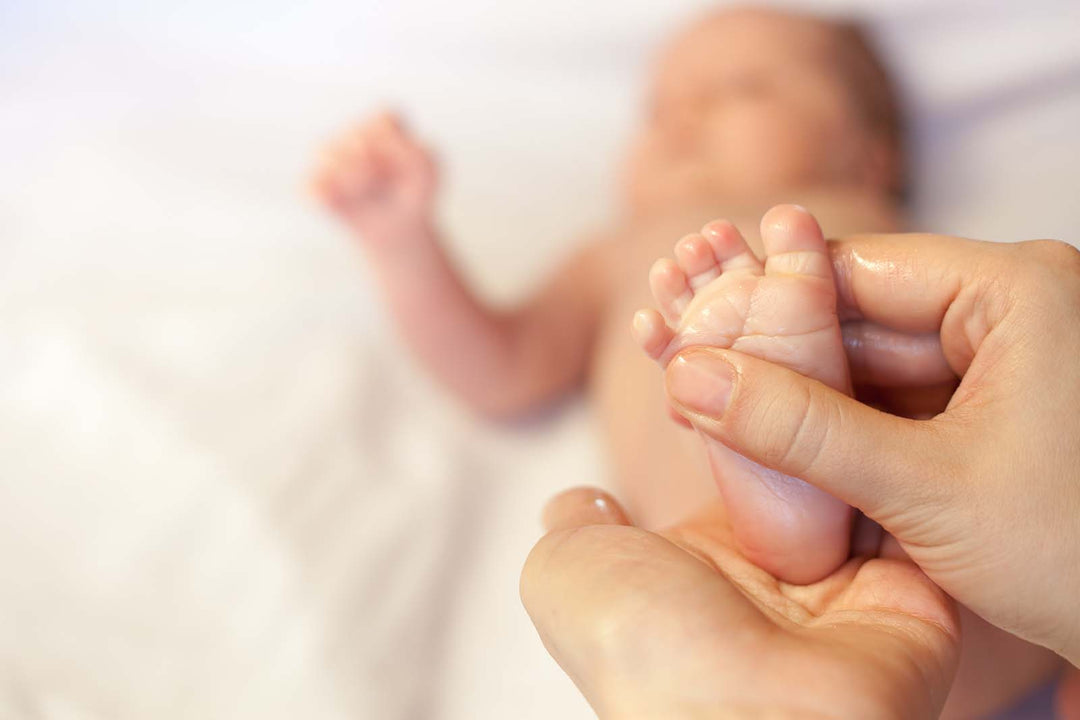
point(745, 104)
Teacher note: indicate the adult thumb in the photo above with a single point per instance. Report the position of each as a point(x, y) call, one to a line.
point(884, 465)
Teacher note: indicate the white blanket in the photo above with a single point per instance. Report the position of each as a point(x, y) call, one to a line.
point(224, 491)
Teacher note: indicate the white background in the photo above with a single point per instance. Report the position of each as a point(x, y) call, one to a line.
point(223, 490)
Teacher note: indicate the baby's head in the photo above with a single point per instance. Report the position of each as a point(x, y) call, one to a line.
point(749, 102)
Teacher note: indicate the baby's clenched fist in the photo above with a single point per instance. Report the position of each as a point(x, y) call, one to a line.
point(378, 179)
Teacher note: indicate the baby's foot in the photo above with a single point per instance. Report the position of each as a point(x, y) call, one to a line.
point(380, 180)
point(717, 293)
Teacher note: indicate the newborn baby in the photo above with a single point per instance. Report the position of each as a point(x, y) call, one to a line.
point(748, 108)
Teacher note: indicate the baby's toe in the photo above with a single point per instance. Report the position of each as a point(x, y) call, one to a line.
point(794, 243)
point(651, 333)
point(729, 247)
point(695, 257)
point(670, 288)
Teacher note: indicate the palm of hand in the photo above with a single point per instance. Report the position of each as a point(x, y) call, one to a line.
point(689, 624)
point(967, 530)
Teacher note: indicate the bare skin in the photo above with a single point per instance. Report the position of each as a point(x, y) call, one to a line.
point(719, 294)
point(771, 119)
point(382, 183)
point(677, 624)
point(729, 135)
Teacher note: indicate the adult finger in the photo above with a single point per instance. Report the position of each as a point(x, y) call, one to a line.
point(886, 466)
point(906, 282)
point(883, 357)
point(582, 506)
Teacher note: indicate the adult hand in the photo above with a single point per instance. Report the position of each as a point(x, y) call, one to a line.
point(678, 625)
point(985, 496)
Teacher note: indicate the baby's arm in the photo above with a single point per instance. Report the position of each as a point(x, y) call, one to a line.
point(382, 183)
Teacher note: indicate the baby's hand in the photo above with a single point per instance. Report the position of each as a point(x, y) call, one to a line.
point(380, 180)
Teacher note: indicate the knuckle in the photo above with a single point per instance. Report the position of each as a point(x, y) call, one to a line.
point(1050, 256)
point(1055, 251)
point(1052, 270)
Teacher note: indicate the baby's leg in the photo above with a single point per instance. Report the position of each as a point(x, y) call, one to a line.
point(717, 293)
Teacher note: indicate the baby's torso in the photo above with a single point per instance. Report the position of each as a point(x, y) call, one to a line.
point(660, 469)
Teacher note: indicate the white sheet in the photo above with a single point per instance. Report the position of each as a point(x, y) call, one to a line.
point(223, 491)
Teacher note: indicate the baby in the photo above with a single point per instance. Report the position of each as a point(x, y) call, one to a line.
point(749, 107)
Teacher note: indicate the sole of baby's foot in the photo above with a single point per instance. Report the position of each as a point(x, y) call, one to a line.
point(717, 293)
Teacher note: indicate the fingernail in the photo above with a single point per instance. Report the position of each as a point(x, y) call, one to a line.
point(701, 383)
point(582, 506)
